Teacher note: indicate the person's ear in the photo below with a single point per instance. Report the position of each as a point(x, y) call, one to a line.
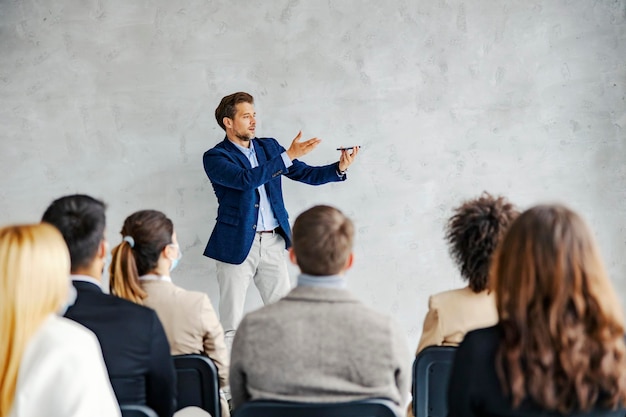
point(168, 252)
point(102, 249)
point(349, 262)
point(228, 122)
point(292, 256)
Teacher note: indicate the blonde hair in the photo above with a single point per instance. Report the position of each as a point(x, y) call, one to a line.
point(34, 277)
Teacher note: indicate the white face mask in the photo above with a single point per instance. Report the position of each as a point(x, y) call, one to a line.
point(107, 259)
point(69, 301)
point(107, 262)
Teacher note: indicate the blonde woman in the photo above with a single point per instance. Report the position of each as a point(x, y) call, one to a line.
point(48, 365)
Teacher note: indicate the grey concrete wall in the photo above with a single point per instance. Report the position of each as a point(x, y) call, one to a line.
point(115, 98)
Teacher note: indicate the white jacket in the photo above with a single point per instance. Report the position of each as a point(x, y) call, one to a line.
point(62, 374)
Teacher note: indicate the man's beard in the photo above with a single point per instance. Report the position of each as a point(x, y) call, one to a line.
point(242, 137)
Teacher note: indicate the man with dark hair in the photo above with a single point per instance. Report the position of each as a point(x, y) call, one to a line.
point(252, 228)
point(319, 343)
point(134, 345)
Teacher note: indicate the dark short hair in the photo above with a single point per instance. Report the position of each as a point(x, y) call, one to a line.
point(228, 106)
point(81, 220)
point(322, 240)
point(473, 233)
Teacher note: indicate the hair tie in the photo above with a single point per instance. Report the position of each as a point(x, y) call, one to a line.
point(130, 241)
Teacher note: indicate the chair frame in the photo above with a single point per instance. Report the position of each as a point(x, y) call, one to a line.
point(371, 407)
point(209, 376)
point(136, 410)
point(422, 365)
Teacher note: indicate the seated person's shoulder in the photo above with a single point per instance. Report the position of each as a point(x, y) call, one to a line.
point(256, 322)
point(127, 310)
point(371, 317)
point(67, 334)
point(123, 303)
point(263, 313)
point(450, 296)
point(488, 337)
point(186, 299)
point(60, 327)
point(195, 296)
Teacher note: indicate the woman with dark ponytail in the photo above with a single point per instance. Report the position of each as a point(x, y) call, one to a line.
point(140, 272)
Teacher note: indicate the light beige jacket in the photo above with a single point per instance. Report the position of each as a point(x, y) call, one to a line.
point(190, 324)
point(453, 313)
point(319, 345)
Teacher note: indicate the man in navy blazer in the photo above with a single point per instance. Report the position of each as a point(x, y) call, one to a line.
point(133, 342)
point(252, 227)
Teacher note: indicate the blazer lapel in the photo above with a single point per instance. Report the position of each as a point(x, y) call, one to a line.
point(230, 147)
point(261, 158)
point(260, 151)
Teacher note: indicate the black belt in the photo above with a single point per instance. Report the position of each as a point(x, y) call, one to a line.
point(268, 231)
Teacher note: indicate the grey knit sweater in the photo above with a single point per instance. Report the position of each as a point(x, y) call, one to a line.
point(319, 345)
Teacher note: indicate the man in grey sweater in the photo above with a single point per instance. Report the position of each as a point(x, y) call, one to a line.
point(319, 343)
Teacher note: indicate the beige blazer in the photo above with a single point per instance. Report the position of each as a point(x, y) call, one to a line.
point(319, 345)
point(453, 313)
point(190, 324)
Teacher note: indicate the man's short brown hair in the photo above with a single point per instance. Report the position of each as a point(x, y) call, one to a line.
point(322, 240)
point(228, 106)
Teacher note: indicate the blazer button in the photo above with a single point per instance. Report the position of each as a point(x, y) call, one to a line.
point(254, 226)
point(256, 206)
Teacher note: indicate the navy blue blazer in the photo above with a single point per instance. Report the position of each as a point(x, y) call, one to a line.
point(134, 347)
point(235, 184)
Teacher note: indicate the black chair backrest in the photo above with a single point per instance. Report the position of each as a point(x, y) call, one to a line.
point(431, 374)
point(197, 382)
point(364, 408)
point(137, 411)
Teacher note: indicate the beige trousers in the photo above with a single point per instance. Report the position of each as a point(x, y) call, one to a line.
point(266, 265)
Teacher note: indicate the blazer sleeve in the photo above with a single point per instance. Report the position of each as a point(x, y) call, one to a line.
point(224, 169)
point(432, 333)
point(213, 340)
point(161, 378)
point(238, 390)
point(314, 175)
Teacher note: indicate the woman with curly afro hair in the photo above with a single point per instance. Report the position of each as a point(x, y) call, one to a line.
point(558, 347)
point(472, 233)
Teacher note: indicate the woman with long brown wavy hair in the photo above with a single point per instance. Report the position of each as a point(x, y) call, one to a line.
point(558, 347)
